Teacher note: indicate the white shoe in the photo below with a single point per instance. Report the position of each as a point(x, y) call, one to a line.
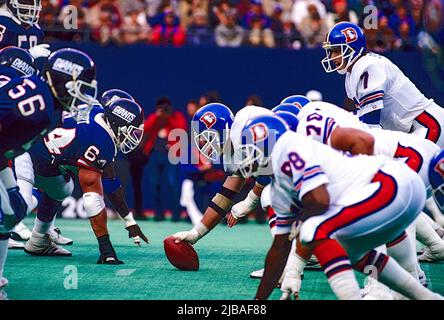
point(3, 284)
point(375, 290)
point(21, 232)
point(431, 254)
point(12, 244)
point(56, 236)
point(258, 274)
point(42, 245)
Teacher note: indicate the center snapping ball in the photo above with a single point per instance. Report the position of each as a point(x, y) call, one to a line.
point(181, 255)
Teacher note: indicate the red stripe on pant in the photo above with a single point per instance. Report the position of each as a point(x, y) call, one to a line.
point(432, 125)
point(380, 199)
point(414, 158)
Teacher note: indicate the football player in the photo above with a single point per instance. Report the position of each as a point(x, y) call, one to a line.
point(84, 148)
point(341, 211)
point(36, 105)
point(382, 94)
point(19, 27)
point(111, 182)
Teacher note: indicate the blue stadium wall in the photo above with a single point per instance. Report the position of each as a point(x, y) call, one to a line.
point(183, 73)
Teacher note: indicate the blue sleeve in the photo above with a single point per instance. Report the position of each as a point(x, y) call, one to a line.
point(372, 117)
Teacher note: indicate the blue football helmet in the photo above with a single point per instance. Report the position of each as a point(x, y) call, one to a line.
point(346, 38)
point(211, 128)
point(26, 11)
point(109, 96)
point(18, 59)
point(296, 100)
point(287, 107)
point(71, 75)
point(290, 119)
point(125, 118)
point(436, 177)
point(258, 138)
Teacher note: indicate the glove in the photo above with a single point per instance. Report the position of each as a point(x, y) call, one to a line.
point(18, 204)
point(193, 235)
point(241, 209)
point(136, 233)
point(291, 285)
point(40, 51)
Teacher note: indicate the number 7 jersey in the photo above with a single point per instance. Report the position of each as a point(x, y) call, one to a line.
point(87, 143)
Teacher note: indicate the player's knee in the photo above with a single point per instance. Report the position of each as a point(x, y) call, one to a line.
point(93, 203)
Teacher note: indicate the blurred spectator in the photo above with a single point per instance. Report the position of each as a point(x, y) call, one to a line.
point(152, 7)
point(198, 32)
point(228, 33)
point(168, 32)
point(313, 28)
point(416, 10)
point(290, 37)
point(254, 100)
point(405, 42)
point(164, 176)
point(209, 97)
point(134, 5)
point(164, 8)
point(187, 9)
point(219, 11)
point(341, 12)
point(269, 7)
point(381, 39)
point(300, 10)
point(105, 19)
point(47, 21)
point(260, 35)
point(135, 27)
point(254, 15)
point(401, 16)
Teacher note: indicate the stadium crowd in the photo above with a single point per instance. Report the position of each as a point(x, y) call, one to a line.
point(292, 24)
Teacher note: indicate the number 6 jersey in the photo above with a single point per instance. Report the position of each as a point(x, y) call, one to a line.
point(87, 143)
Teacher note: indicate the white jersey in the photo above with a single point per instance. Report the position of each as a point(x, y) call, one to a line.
point(375, 83)
point(318, 120)
point(232, 157)
point(300, 165)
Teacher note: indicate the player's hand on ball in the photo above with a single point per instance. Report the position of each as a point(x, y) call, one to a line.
point(188, 236)
point(136, 234)
point(291, 285)
point(231, 220)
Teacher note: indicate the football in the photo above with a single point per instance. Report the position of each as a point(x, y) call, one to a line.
point(181, 255)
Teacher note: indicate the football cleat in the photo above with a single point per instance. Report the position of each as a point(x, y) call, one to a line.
point(42, 245)
point(375, 290)
point(258, 274)
point(422, 277)
point(56, 236)
point(111, 259)
point(3, 284)
point(431, 254)
point(21, 232)
point(12, 244)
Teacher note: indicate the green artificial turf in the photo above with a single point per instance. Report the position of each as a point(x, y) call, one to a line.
point(227, 256)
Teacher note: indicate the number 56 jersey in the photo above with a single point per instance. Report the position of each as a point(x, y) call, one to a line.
point(87, 143)
point(26, 112)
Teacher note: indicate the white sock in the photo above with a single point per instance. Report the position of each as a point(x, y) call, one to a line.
point(394, 276)
point(3, 254)
point(345, 286)
point(431, 206)
point(294, 262)
point(426, 234)
point(405, 255)
point(41, 227)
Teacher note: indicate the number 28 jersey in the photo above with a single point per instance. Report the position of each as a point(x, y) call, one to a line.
point(87, 143)
point(301, 164)
point(26, 113)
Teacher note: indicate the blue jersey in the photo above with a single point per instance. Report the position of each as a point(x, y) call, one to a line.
point(26, 113)
point(87, 143)
point(14, 33)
